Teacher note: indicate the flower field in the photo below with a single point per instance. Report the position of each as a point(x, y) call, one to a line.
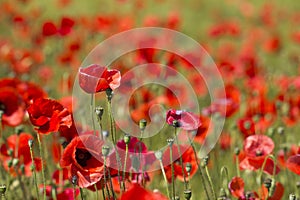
point(149, 100)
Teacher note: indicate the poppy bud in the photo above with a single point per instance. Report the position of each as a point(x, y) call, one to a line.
point(99, 112)
point(126, 138)
point(268, 183)
point(170, 141)
point(205, 160)
point(188, 167)
point(187, 194)
point(19, 129)
point(22, 168)
point(176, 124)
point(10, 163)
point(176, 198)
point(74, 180)
point(271, 131)
point(298, 184)
point(247, 125)
point(280, 130)
point(2, 190)
point(15, 162)
point(109, 94)
point(10, 152)
point(237, 151)
point(30, 143)
point(32, 167)
point(292, 197)
point(142, 124)
point(105, 150)
point(158, 155)
point(249, 195)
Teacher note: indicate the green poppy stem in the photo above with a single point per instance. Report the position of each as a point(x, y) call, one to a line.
point(43, 167)
point(124, 169)
point(165, 177)
point(34, 173)
point(92, 107)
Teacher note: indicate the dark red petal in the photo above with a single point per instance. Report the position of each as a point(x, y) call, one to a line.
point(293, 164)
point(236, 187)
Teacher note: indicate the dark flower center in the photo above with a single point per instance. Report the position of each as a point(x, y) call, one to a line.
point(259, 153)
point(82, 156)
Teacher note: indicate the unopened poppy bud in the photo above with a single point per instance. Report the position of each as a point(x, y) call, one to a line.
point(2, 190)
point(15, 162)
point(32, 167)
point(280, 130)
point(298, 184)
point(30, 143)
point(142, 124)
point(188, 167)
point(176, 124)
point(10, 163)
point(268, 183)
point(22, 168)
point(99, 112)
point(176, 198)
point(74, 180)
point(126, 138)
point(170, 141)
point(109, 93)
point(237, 151)
point(205, 160)
point(19, 129)
point(187, 194)
point(158, 155)
point(10, 152)
point(292, 197)
point(105, 150)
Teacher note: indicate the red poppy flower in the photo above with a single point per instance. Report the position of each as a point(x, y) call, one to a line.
point(258, 145)
point(185, 120)
point(203, 130)
point(293, 164)
point(83, 158)
point(138, 192)
point(247, 126)
point(95, 78)
point(49, 29)
point(19, 145)
point(12, 106)
point(236, 187)
point(62, 193)
point(188, 156)
point(48, 115)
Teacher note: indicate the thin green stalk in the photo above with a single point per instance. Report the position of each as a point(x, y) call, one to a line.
point(92, 105)
point(81, 193)
point(96, 190)
point(238, 172)
point(103, 194)
point(165, 177)
point(21, 183)
point(34, 173)
point(105, 181)
point(210, 183)
point(124, 169)
point(173, 176)
point(43, 168)
point(199, 168)
point(180, 159)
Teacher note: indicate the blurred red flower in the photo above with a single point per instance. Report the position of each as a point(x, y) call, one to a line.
point(48, 115)
point(12, 106)
point(138, 192)
point(236, 187)
point(293, 164)
point(18, 144)
point(96, 78)
point(185, 120)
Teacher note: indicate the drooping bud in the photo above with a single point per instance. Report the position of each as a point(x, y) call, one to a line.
point(268, 183)
point(188, 167)
point(187, 194)
point(99, 112)
point(170, 141)
point(237, 151)
point(2, 190)
point(176, 124)
point(105, 151)
point(30, 143)
point(142, 124)
point(292, 197)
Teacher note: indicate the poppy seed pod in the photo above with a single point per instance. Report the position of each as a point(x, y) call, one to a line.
point(176, 124)
point(142, 124)
point(105, 150)
point(187, 194)
point(109, 94)
point(237, 151)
